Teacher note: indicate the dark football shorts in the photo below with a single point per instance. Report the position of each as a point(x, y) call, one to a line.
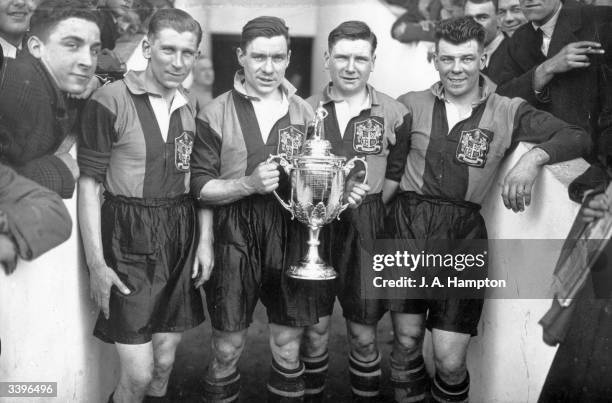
point(150, 244)
point(255, 242)
point(427, 218)
point(352, 241)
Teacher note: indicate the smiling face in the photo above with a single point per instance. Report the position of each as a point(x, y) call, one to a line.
point(350, 63)
point(70, 53)
point(171, 56)
point(15, 18)
point(539, 11)
point(510, 16)
point(264, 61)
point(459, 67)
point(484, 14)
point(119, 7)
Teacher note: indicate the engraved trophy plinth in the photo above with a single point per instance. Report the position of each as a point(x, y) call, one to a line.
point(317, 189)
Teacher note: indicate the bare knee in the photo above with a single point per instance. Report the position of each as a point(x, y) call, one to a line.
point(315, 340)
point(451, 368)
point(164, 348)
point(362, 341)
point(285, 345)
point(137, 382)
point(227, 348)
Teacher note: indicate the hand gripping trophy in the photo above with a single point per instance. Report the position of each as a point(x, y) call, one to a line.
point(317, 189)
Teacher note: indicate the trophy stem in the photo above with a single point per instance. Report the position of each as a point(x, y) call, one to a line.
point(312, 267)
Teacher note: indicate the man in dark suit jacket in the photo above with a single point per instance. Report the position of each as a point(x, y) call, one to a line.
point(484, 12)
point(560, 61)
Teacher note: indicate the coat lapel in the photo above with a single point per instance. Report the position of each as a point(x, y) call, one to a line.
point(570, 21)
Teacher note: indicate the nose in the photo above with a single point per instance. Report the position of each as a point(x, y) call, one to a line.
point(18, 3)
point(267, 66)
point(350, 66)
point(177, 61)
point(456, 66)
point(508, 16)
point(86, 58)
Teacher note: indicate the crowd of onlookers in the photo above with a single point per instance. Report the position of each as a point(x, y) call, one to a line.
point(57, 53)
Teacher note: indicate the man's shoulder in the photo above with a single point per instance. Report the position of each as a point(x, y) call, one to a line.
point(416, 98)
point(314, 99)
point(301, 104)
point(215, 109)
point(111, 95)
point(23, 72)
point(389, 104)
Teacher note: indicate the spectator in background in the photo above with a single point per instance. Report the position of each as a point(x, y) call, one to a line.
point(484, 12)
point(558, 62)
point(203, 79)
point(14, 23)
point(33, 219)
point(110, 13)
point(418, 23)
point(36, 117)
point(510, 16)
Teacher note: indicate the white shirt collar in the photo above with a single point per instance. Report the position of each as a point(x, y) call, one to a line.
point(549, 27)
point(9, 50)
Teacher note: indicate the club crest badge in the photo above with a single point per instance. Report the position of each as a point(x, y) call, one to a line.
point(183, 145)
point(473, 147)
point(290, 141)
point(368, 136)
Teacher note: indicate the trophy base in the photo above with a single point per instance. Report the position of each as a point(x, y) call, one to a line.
point(312, 271)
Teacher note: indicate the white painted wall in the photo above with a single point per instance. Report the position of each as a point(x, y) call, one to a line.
point(46, 321)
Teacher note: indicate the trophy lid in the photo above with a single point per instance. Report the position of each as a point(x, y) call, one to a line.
point(317, 145)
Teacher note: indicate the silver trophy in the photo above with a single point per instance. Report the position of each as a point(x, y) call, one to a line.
point(317, 188)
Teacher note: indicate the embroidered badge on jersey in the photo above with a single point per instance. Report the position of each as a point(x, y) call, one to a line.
point(368, 136)
point(290, 141)
point(183, 145)
point(473, 147)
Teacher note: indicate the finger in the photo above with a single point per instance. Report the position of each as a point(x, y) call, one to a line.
point(358, 191)
point(579, 58)
point(195, 269)
point(505, 198)
point(351, 200)
point(104, 305)
point(512, 198)
point(119, 284)
point(579, 65)
point(586, 44)
point(588, 212)
point(527, 194)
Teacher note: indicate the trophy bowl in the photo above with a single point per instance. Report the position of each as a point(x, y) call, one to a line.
point(317, 189)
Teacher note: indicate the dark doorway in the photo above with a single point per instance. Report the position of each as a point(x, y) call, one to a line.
point(225, 63)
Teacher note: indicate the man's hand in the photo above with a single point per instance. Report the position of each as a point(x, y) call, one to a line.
point(516, 189)
point(101, 280)
point(70, 163)
point(8, 254)
point(573, 56)
point(595, 208)
point(264, 178)
point(204, 263)
point(355, 189)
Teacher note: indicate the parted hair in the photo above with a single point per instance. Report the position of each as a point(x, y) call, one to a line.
point(49, 13)
point(264, 26)
point(352, 30)
point(175, 19)
point(459, 30)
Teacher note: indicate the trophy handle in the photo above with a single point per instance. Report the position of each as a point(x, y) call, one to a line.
point(286, 166)
point(350, 164)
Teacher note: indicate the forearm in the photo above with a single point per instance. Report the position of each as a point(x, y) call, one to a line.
point(535, 158)
point(205, 221)
point(389, 189)
point(90, 222)
point(217, 192)
point(541, 77)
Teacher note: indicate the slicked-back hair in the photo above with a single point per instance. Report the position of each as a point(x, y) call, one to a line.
point(495, 3)
point(264, 26)
point(351, 30)
point(49, 13)
point(175, 19)
point(459, 30)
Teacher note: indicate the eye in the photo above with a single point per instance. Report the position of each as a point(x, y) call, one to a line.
point(278, 59)
point(259, 58)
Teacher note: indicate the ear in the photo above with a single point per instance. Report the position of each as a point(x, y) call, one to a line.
point(240, 55)
point(435, 61)
point(146, 47)
point(288, 57)
point(483, 61)
point(35, 46)
point(373, 61)
point(326, 58)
